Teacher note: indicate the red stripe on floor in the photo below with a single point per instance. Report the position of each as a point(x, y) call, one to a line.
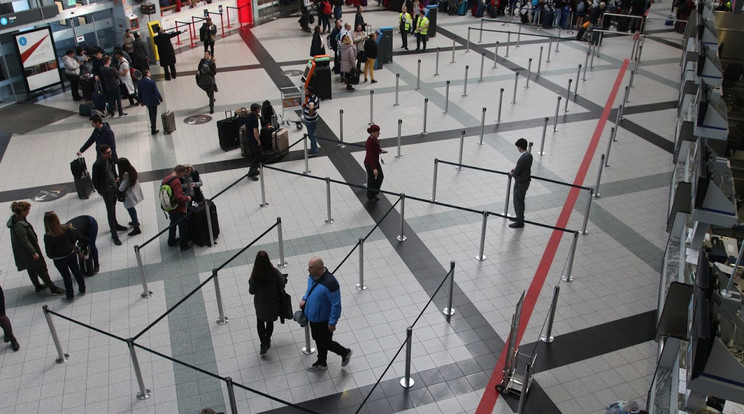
point(490, 395)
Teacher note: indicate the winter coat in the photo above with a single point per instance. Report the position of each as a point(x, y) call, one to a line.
point(348, 57)
point(25, 243)
point(134, 192)
point(206, 80)
point(267, 297)
point(165, 48)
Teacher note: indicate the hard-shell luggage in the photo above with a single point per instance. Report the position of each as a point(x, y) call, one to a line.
point(87, 84)
point(281, 141)
point(492, 12)
point(245, 149)
point(169, 121)
point(462, 9)
point(83, 183)
point(85, 259)
point(198, 228)
point(85, 109)
point(623, 23)
point(354, 75)
point(228, 130)
point(546, 18)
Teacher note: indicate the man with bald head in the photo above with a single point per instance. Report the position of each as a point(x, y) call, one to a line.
point(322, 306)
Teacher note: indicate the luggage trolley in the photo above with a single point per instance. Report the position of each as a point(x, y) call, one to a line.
point(292, 100)
point(511, 381)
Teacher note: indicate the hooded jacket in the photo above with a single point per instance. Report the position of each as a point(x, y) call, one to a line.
point(25, 243)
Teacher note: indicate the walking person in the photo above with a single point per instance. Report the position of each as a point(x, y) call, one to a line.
point(88, 227)
point(129, 185)
point(26, 250)
point(165, 51)
point(178, 218)
point(266, 284)
point(372, 162)
point(102, 135)
point(310, 118)
point(149, 96)
point(422, 29)
point(321, 304)
point(405, 22)
point(208, 35)
point(6, 325)
point(521, 174)
point(105, 181)
point(60, 244)
point(205, 78)
point(72, 72)
point(370, 52)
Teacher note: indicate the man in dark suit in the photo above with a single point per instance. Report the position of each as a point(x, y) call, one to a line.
point(106, 180)
point(111, 82)
point(521, 174)
point(149, 96)
point(166, 53)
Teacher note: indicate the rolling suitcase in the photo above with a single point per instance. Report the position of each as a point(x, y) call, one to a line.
point(87, 83)
point(169, 121)
point(198, 228)
point(281, 141)
point(546, 18)
point(86, 262)
point(228, 130)
point(245, 149)
point(85, 109)
point(83, 183)
point(98, 98)
point(462, 9)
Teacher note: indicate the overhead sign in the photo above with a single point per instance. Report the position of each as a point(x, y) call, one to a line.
point(38, 58)
point(27, 17)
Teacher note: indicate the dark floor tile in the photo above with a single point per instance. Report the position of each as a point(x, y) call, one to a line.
point(441, 391)
point(381, 406)
point(460, 386)
point(478, 380)
point(431, 376)
point(420, 397)
point(401, 402)
point(391, 387)
point(469, 366)
point(450, 371)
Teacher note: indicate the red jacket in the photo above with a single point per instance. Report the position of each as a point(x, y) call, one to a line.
point(372, 159)
point(176, 188)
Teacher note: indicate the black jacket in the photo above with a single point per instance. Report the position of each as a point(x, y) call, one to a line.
point(99, 177)
point(267, 297)
point(370, 48)
point(61, 246)
point(109, 79)
point(523, 170)
point(165, 48)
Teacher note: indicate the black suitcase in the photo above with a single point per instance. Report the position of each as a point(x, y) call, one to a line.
point(245, 148)
point(623, 24)
point(83, 183)
point(198, 229)
point(99, 99)
point(86, 262)
point(87, 83)
point(546, 18)
point(228, 130)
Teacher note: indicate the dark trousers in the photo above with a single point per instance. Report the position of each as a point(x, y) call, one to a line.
point(92, 235)
point(373, 183)
point(65, 266)
point(110, 201)
point(265, 329)
point(208, 47)
point(170, 71)
point(325, 22)
point(324, 341)
point(180, 221)
point(520, 191)
point(152, 111)
point(113, 101)
point(133, 215)
point(210, 95)
point(256, 156)
point(337, 12)
point(404, 39)
point(420, 38)
point(74, 86)
point(40, 273)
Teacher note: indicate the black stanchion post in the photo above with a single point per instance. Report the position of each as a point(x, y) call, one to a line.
point(508, 194)
point(222, 320)
point(483, 126)
point(434, 180)
point(231, 395)
point(516, 82)
point(400, 124)
point(529, 73)
point(465, 83)
point(569, 266)
point(542, 140)
point(481, 256)
point(462, 144)
point(263, 186)
point(329, 219)
point(371, 106)
point(280, 237)
point(307, 166)
point(501, 100)
point(539, 61)
point(446, 97)
point(599, 175)
point(341, 116)
point(495, 55)
point(402, 237)
point(360, 285)
point(426, 106)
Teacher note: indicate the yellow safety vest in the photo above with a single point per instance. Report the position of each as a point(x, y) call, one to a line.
point(423, 25)
point(406, 19)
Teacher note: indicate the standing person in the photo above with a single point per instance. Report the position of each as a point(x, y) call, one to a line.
point(305, 15)
point(102, 135)
point(88, 227)
point(178, 218)
point(191, 184)
point(348, 59)
point(337, 5)
point(125, 78)
point(130, 186)
point(166, 52)
point(149, 96)
point(521, 174)
point(405, 21)
point(72, 72)
point(208, 34)
point(370, 52)
point(127, 41)
point(316, 47)
point(141, 55)
point(267, 285)
point(60, 244)
point(6, 325)
point(26, 250)
point(105, 181)
point(254, 139)
point(322, 306)
point(638, 9)
point(358, 36)
point(372, 162)
point(422, 28)
point(325, 15)
point(205, 78)
point(333, 40)
point(83, 60)
point(110, 81)
point(310, 117)
point(359, 19)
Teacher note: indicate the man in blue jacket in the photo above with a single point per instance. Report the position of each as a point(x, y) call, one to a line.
point(149, 96)
point(322, 306)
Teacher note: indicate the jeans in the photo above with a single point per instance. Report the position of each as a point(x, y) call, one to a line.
point(520, 191)
point(110, 201)
point(337, 12)
point(113, 101)
point(325, 21)
point(180, 221)
point(65, 265)
point(311, 136)
point(133, 215)
point(92, 235)
point(324, 342)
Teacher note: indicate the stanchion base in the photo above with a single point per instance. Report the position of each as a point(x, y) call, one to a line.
point(329, 221)
point(480, 142)
point(444, 112)
point(406, 382)
point(262, 205)
point(567, 278)
point(146, 295)
point(448, 311)
point(541, 153)
point(306, 351)
point(596, 195)
point(144, 396)
point(282, 265)
point(397, 157)
point(423, 132)
point(395, 104)
point(547, 340)
point(585, 232)
point(458, 168)
point(464, 96)
point(401, 238)
point(341, 146)
point(361, 287)
point(481, 258)
point(306, 172)
point(62, 360)
point(223, 321)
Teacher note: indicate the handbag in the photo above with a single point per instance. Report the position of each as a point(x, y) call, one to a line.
point(121, 196)
point(361, 56)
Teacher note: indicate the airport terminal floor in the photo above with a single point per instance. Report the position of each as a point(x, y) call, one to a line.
point(603, 349)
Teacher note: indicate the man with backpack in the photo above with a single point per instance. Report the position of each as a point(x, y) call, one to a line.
point(173, 201)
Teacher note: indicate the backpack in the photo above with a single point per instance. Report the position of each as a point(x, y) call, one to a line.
point(168, 201)
point(326, 7)
point(580, 7)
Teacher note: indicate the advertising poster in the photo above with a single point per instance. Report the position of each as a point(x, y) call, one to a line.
point(38, 58)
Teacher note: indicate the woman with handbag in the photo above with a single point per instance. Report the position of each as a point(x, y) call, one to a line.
point(267, 285)
point(60, 245)
point(130, 192)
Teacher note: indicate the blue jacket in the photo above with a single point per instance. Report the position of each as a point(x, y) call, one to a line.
point(148, 92)
point(324, 303)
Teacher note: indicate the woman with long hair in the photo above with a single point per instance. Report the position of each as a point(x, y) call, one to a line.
point(130, 186)
point(267, 286)
point(60, 243)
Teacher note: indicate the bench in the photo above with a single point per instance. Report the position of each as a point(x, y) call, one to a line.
point(166, 8)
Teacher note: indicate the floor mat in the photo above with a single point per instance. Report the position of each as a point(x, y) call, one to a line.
point(23, 118)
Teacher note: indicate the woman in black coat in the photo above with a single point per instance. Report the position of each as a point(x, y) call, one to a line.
point(316, 47)
point(267, 286)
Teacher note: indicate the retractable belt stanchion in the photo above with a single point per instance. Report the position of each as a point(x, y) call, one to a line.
point(434, 180)
point(555, 120)
point(400, 124)
point(397, 87)
point(426, 106)
point(550, 46)
point(529, 72)
point(483, 60)
point(586, 62)
point(407, 381)
point(61, 356)
point(231, 389)
point(519, 35)
point(495, 55)
point(329, 219)
point(307, 167)
point(446, 97)
point(465, 83)
point(501, 100)
point(450, 310)
point(467, 44)
point(568, 95)
point(263, 186)
point(280, 241)
point(542, 140)
point(508, 40)
point(480, 36)
point(453, 50)
point(222, 320)
point(143, 393)
point(371, 106)
point(402, 237)
point(576, 84)
point(418, 75)
point(548, 338)
point(609, 147)
point(146, 293)
point(481, 256)
point(516, 82)
point(539, 61)
point(569, 266)
point(360, 285)
point(436, 66)
point(462, 144)
point(341, 119)
point(586, 212)
point(599, 175)
point(483, 126)
point(508, 194)
point(308, 348)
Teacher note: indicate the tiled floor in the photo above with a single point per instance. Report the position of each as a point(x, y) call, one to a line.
point(604, 320)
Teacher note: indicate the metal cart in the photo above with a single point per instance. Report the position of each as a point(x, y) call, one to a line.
point(291, 101)
point(511, 381)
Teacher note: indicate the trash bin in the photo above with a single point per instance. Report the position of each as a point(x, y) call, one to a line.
point(431, 13)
